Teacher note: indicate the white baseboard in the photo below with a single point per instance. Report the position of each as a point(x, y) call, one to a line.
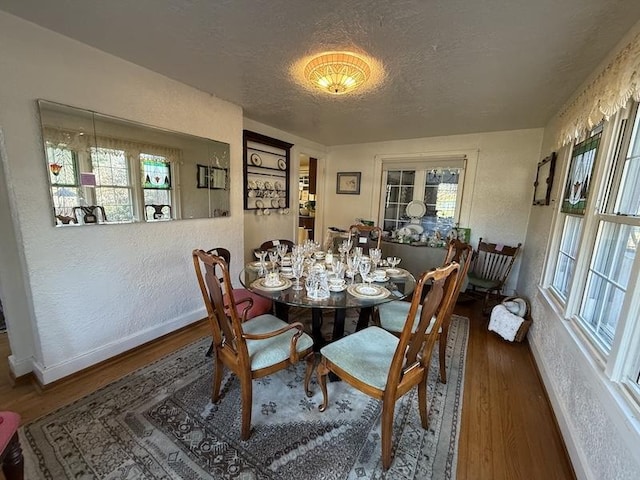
point(576, 454)
point(21, 367)
point(76, 364)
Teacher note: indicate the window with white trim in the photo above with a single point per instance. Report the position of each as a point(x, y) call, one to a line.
point(436, 182)
point(595, 268)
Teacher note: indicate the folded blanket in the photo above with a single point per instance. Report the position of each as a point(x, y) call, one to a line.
point(504, 323)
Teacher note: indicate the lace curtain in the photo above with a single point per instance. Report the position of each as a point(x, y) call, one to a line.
point(75, 141)
point(605, 96)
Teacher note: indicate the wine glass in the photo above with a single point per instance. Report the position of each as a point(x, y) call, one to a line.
point(375, 254)
point(364, 268)
point(297, 267)
point(352, 266)
point(260, 255)
point(273, 258)
point(393, 261)
point(282, 251)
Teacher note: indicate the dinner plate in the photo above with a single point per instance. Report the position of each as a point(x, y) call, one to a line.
point(259, 204)
point(283, 285)
point(278, 186)
point(368, 292)
point(274, 202)
point(416, 209)
point(396, 272)
point(282, 164)
point(255, 159)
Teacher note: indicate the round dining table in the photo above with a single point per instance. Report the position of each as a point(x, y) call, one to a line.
point(399, 287)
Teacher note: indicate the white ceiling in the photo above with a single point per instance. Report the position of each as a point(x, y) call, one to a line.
point(452, 66)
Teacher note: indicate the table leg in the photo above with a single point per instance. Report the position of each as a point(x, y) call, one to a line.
point(338, 324)
point(364, 317)
point(316, 325)
point(282, 311)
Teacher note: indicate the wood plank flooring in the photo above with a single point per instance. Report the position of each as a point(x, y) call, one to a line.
point(507, 432)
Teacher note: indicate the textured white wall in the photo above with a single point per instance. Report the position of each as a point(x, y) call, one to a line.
point(498, 188)
point(76, 296)
point(601, 433)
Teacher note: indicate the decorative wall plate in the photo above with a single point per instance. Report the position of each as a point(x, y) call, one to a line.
point(255, 159)
point(416, 209)
point(282, 164)
point(259, 204)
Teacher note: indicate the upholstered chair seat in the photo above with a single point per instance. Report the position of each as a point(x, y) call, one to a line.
point(273, 350)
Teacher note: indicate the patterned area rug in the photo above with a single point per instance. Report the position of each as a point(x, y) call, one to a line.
point(159, 423)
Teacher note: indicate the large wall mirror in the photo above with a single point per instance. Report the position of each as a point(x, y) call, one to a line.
point(105, 170)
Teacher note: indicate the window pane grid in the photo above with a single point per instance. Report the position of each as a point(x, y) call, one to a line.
point(399, 192)
point(113, 186)
point(607, 280)
point(565, 265)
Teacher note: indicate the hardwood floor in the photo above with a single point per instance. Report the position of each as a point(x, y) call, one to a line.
point(508, 430)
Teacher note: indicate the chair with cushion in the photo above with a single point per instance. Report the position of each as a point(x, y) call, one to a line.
point(251, 349)
point(254, 304)
point(365, 236)
point(10, 450)
point(270, 244)
point(491, 267)
point(393, 315)
point(386, 367)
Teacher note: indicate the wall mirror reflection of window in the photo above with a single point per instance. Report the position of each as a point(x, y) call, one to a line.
point(104, 170)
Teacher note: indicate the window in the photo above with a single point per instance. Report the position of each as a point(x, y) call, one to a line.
point(595, 269)
point(437, 183)
point(113, 183)
point(65, 186)
point(156, 186)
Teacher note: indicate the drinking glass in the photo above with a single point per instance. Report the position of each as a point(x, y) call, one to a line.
point(282, 251)
point(393, 261)
point(353, 262)
point(273, 258)
point(297, 267)
point(260, 255)
point(375, 254)
point(364, 268)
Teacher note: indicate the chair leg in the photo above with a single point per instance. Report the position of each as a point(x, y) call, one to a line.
point(310, 359)
point(247, 396)
point(321, 375)
point(442, 352)
point(13, 462)
point(422, 404)
point(388, 407)
point(218, 370)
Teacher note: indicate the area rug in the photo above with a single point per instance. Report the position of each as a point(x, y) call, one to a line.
point(159, 423)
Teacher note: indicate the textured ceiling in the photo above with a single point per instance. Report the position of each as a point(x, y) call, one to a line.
point(452, 66)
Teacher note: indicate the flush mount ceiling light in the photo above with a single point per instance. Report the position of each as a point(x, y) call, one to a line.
point(337, 73)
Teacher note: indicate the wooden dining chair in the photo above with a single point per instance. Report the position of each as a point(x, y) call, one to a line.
point(252, 349)
point(492, 264)
point(269, 244)
point(365, 236)
point(386, 367)
point(248, 304)
point(393, 315)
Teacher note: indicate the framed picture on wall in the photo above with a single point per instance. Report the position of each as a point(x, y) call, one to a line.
point(544, 180)
point(348, 183)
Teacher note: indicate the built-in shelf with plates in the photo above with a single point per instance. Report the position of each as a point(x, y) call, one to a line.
point(266, 174)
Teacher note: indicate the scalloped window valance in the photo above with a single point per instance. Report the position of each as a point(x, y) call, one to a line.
point(604, 96)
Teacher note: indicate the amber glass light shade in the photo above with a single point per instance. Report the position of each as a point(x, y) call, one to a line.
point(337, 72)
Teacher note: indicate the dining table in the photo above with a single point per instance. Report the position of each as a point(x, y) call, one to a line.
point(355, 295)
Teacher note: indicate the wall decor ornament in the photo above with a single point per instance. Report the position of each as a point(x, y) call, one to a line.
point(348, 183)
point(576, 191)
point(544, 180)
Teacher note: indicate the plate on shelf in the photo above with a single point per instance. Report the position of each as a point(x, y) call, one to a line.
point(282, 202)
point(416, 209)
point(274, 202)
point(282, 164)
point(278, 186)
point(255, 159)
point(252, 184)
point(282, 285)
point(259, 204)
point(415, 228)
point(365, 291)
